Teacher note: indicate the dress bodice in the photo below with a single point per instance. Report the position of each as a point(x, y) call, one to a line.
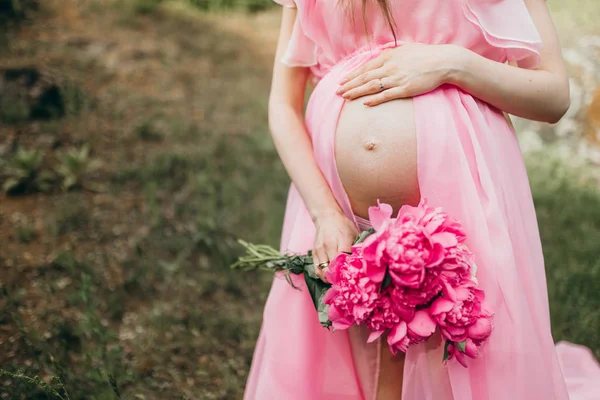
point(324, 33)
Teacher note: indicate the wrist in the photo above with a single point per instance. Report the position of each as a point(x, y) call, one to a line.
point(320, 214)
point(457, 64)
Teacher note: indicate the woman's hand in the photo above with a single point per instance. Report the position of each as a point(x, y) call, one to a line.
point(335, 234)
point(405, 71)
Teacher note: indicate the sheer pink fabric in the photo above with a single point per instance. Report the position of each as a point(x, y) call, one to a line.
point(470, 163)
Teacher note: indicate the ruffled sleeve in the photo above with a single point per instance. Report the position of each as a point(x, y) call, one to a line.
point(301, 50)
point(506, 24)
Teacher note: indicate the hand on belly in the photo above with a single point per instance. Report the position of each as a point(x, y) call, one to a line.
point(376, 154)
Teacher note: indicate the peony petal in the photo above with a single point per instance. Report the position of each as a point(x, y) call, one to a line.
point(341, 325)
point(405, 312)
point(375, 272)
point(379, 214)
point(449, 292)
point(333, 313)
point(433, 225)
point(436, 256)
point(410, 280)
point(454, 333)
point(486, 310)
point(471, 349)
point(411, 213)
point(462, 292)
point(330, 295)
point(460, 357)
point(397, 333)
point(446, 239)
point(422, 324)
point(479, 294)
point(441, 305)
point(375, 335)
point(481, 329)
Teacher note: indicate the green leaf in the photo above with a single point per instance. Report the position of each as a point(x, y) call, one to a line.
point(322, 309)
point(316, 287)
point(387, 279)
point(310, 270)
point(69, 182)
point(10, 184)
point(446, 354)
point(462, 346)
point(363, 235)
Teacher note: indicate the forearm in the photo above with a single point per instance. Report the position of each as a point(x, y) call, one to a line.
point(295, 150)
point(533, 94)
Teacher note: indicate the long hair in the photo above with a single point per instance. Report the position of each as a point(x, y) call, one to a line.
point(385, 10)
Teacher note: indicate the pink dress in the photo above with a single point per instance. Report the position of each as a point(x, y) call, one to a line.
point(469, 162)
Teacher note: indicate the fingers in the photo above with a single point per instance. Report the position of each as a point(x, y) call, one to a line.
point(319, 256)
point(332, 249)
point(377, 62)
point(386, 95)
point(371, 78)
point(345, 244)
point(371, 87)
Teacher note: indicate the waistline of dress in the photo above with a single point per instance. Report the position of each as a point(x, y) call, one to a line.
point(369, 48)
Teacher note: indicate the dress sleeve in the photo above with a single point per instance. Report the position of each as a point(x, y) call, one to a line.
point(301, 50)
point(506, 24)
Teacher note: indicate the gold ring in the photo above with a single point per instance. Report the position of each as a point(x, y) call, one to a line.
point(323, 264)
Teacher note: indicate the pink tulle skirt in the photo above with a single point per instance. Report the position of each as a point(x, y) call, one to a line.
point(469, 162)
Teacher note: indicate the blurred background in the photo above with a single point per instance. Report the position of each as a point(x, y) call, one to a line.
point(134, 150)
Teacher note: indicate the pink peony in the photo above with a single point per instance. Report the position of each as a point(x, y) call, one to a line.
point(384, 317)
point(437, 222)
point(465, 317)
point(352, 296)
point(472, 348)
point(403, 246)
point(405, 334)
point(413, 274)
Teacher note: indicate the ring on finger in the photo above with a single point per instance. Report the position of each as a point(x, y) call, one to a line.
point(381, 87)
point(323, 265)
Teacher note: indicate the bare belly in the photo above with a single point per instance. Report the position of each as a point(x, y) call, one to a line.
point(376, 154)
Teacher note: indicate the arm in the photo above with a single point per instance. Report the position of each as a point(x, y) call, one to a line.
point(286, 122)
point(541, 94)
point(334, 231)
point(413, 69)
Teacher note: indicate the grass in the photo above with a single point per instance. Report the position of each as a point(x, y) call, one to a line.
point(568, 209)
point(127, 292)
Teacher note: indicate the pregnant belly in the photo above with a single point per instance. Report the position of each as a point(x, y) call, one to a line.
point(376, 154)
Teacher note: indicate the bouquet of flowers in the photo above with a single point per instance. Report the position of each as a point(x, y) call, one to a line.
point(406, 277)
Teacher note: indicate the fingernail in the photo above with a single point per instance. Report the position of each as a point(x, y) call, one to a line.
point(345, 95)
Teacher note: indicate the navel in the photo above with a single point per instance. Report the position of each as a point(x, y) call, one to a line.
point(370, 144)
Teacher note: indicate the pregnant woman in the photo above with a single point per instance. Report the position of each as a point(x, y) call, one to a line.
point(408, 102)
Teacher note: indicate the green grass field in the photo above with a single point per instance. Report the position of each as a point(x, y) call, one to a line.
point(125, 291)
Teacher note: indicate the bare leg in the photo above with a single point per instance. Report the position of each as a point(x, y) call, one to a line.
point(391, 372)
point(380, 372)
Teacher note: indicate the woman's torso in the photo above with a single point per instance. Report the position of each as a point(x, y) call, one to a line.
point(375, 147)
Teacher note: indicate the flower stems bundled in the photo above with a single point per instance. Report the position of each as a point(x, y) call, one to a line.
point(404, 278)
